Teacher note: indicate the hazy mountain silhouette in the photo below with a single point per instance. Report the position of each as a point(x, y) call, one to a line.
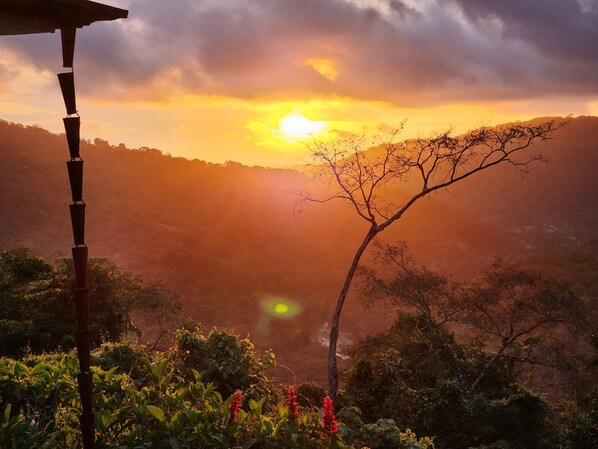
point(227, 236)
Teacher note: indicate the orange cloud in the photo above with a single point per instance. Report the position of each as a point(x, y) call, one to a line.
point(324, 66)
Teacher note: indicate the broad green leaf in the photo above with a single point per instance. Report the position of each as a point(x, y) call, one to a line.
point(196, 375)
point(38, 369)
point(108, 374)
point(158, 370)
point(107, 419)
point(219, 438)
point(156, 412)
point(174, 443)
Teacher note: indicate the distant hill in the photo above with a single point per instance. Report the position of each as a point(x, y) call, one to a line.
point(227, 237)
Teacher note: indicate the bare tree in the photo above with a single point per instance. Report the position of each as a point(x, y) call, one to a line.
point(359, 177)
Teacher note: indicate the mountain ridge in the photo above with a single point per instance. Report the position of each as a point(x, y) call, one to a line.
point(228, 237)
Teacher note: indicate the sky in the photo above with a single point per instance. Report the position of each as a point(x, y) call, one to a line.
point(252, 80)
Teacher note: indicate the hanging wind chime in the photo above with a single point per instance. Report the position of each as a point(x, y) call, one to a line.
point(72, 126)
point(46, 16)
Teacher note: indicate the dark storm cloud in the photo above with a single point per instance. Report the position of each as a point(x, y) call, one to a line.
point(442, 51)
point(562, 32)
point(566, 30)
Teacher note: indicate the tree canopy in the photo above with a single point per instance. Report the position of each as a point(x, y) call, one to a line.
point(37, 310)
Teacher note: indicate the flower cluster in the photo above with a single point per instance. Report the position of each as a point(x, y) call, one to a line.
point(235, 404)
point(328, 416)
point(292, 403)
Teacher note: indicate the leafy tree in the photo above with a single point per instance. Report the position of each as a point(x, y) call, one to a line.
point(408, 375)
point(522, 314)
point(360, 178)
point(37, 311)
point(21, 276)
point(510, 316)
point(580, 428)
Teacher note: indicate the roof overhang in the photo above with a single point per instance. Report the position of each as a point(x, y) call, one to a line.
point(47, 16)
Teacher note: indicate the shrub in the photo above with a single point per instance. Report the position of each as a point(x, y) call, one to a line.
point(310, 395)
point(225, 360)
point(126, 358)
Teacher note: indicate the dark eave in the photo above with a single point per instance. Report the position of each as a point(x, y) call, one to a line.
point(46, 16)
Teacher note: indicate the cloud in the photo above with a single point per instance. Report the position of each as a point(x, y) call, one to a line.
point(402, 8)
point(564, 30)
point(564, 33)
point(408, 53)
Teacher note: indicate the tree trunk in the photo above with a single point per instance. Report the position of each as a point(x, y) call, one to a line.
point(491, 362)
point(334, 328)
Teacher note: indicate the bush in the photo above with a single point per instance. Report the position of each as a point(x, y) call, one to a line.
point(384, 434)
point(176, 400)
point(126, 358)
point(225, 360)
point(310, 395)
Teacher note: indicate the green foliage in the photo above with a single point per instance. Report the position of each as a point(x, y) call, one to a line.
point(145, 402)
point(126, 358)
point(225, 360)
point(384, 434)
point(40, 405)
point(580, 428)
point(409, 375)
point(310, 395)
point(509, 316)
point(18, 268)
point(21, 277)
point(37, 311)
point(414, 356)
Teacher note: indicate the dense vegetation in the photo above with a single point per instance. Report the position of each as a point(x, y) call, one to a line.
point(163, 401)
point(212, 390)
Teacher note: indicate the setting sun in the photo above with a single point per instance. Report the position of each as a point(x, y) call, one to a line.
point(297, 126)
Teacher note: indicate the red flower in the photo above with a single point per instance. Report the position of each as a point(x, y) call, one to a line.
point(328, 416)
point(292, 402)
point(235, 404)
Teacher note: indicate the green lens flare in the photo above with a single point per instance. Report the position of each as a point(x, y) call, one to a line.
point(280, 307)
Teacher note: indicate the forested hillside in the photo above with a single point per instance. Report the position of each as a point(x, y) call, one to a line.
point(229, 239)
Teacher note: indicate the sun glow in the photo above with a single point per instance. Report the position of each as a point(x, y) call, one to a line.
point(296, 126)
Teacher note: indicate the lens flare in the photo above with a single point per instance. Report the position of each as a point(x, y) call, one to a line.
point(280, 307)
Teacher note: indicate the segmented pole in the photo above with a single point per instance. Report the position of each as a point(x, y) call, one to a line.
point(72, 126)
